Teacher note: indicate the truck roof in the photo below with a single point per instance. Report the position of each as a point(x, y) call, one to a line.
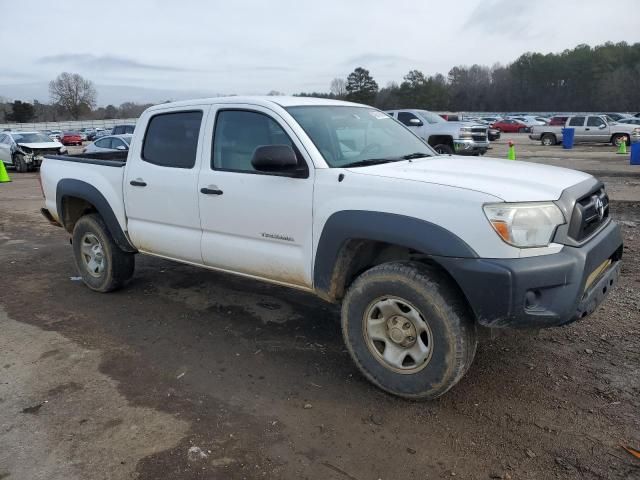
point(265, 101)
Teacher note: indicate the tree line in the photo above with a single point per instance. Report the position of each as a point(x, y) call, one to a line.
point(601, 78)
point(73, 97)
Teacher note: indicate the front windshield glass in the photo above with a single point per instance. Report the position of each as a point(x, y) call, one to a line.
point(31, 138)
point(357, 136)
point(431, 117)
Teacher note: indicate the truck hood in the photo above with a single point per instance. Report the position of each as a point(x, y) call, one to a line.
point(511, 181)
point(43, 145)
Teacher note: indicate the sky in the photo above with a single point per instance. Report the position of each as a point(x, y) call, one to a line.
point(143, 49)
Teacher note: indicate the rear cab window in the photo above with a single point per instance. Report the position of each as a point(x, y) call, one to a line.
point(171, 139)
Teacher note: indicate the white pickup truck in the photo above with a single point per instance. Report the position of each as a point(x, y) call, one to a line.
point(342, 200)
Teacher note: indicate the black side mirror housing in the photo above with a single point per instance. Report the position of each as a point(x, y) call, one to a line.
point(274, 158)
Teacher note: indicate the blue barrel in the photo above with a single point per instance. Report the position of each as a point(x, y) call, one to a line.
point(567, 137)
point(635, 154)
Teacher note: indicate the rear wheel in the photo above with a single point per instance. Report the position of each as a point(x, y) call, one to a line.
point(443, 149)
point(408, 329)
point(100, 262)
point(548, 139)
point(618, 138)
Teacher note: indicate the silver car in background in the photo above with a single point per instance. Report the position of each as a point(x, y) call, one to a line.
point(109, 143)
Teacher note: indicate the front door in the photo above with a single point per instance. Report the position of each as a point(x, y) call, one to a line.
point(255, 223)
point(597, 130)
point(160, 186)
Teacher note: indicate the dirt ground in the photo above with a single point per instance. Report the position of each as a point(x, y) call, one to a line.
point(192, 374)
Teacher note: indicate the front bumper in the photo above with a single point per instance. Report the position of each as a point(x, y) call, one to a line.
point(543, 291)
point(470, 146)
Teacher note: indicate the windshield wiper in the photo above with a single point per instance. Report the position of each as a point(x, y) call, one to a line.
point(370, 161)
point(411, 156)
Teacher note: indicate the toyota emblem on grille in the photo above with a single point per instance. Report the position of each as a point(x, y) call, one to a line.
point(599, 204)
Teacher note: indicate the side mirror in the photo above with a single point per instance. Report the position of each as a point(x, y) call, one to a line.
point(121, 147)
point(414, 122)
point(274, 158)
point(602, 125)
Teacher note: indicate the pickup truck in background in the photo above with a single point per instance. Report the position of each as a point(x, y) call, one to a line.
point(444, 136)
point(588, 128)
point(340, 200)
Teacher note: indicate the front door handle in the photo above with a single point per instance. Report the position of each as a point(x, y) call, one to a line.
point(211, 191)
point(587, 129)
point(138, 183)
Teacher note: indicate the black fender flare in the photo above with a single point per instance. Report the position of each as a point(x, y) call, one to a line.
point(70, 187)
point(420, 235)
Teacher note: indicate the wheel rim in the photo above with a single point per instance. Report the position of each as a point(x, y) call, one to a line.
point(546, 141)
point(92, 254)
point(397, 335)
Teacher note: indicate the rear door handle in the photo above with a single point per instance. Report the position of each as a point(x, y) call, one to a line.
point(211, 191)
point(138, 183)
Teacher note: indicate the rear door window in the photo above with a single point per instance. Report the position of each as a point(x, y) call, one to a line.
point(576, 122)
point(171, 139)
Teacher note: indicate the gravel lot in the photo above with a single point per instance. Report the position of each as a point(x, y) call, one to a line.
point(192, 374)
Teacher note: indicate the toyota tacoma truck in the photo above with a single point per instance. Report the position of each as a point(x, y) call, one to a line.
point(465, 138)
point(341, 200)
point(588, 128)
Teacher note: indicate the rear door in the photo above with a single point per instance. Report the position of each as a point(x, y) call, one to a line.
point(255, 223)
point(577, 123)
point(161, 198)
point(597, 129)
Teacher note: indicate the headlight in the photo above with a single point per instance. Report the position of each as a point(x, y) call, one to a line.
point(465, 132)
point(525, 224)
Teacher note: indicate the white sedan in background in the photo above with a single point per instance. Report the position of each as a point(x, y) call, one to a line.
point(110, 143)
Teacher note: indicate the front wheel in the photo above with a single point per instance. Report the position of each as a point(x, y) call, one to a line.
point(408, 329)
point(101, 263)
point(443, 149)
point(20, 164)
point(618, 138)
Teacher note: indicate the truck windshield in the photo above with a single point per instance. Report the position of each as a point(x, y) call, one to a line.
point(357, 136)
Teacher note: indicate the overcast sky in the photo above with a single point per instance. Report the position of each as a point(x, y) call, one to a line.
point(253, 46)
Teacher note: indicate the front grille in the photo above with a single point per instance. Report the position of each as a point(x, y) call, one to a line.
point(589, 213)
point(479, 134)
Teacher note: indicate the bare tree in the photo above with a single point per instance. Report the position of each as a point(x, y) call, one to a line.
point(73, 93)
point(338, 87)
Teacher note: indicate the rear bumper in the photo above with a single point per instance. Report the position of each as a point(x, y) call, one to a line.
point(541, 291)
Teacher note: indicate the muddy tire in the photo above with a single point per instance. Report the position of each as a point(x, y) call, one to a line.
point(443, 149)
point(618, 138)
point(20, 164)
point(408, 329)
point(548, 139)
point(102, 265)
